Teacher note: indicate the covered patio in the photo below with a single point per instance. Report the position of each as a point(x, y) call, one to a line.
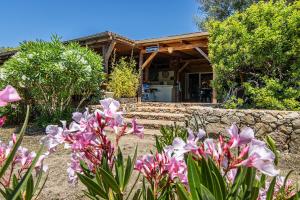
point(176, 69)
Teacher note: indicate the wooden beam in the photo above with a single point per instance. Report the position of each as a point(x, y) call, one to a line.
point(140, 90)
point(108, 54)
point(179, 48)
point(202, 53)
point(181, 69)
point(149, 59)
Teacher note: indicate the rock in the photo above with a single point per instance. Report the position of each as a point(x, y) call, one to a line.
point(212, 119)
point(285, 129)
point(296, 124)
point(292, 115)
point(249, 119)
point(297, 132)
point(268, 118)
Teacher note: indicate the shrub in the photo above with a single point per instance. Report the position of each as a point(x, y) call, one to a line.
point(260, 47)
point(49, 74)
point(124, 79)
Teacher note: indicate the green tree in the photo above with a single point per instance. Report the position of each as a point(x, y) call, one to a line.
point(255, 54)
point(219, 10)
point(49, 74)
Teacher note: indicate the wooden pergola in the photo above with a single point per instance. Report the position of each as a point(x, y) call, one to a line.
point(191, 47)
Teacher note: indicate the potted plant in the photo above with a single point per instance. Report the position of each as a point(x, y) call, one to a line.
point(124, 81)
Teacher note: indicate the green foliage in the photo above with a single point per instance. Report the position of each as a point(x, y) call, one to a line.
point(110, 183)
point(234, 102)
point(26, 187)
point(168, 134)
point(259, 47)
point(206, 182)
point(124, 79)
point(219, 10)
point(274, 95)
point(48, 74)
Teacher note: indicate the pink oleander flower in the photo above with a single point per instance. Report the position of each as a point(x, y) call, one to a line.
point(21, 161)
point(260, 157)
point(159, 166)
point(2, 120)
point(8, 95)
point(287, 193)
point(86, 137)
point(136, 129)
point(242, 138)
point(179, 147)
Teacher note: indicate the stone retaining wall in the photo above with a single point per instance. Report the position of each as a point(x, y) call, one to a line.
point(283, 126)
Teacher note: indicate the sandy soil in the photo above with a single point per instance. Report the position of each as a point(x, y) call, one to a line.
point(57, 186)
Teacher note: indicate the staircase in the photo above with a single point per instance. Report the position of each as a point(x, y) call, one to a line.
point(154, 115)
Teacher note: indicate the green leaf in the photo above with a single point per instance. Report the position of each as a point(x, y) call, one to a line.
point(150, 195)
point(272, 145)
point(109, 179)
point(193, 177)
point(16, 146)
point(204, 193)
point(92, 186)
point(207, 177)
point(137, 195)
point(182, 193)
point(26, 177)
point(29, 188)
point(271, 188)
point(129, 167)
point(221, 181)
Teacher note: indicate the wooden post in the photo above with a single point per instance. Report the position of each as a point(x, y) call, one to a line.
point(108, 54)
point(140, 91)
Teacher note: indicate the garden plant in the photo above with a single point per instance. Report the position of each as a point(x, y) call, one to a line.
point(62, 71)
point(237, 166)
point(17, 163)
point(255, 54)
point(124, 79)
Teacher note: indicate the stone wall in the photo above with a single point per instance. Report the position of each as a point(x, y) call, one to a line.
point(283, 126)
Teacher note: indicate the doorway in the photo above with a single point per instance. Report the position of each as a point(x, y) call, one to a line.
point(198, 87)
point(192, 81)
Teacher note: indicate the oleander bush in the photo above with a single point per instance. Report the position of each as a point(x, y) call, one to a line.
point(255, 54)
point(49, 74)
point(236, 166)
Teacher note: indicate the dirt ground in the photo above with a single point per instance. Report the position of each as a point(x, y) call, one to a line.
point(57, 186)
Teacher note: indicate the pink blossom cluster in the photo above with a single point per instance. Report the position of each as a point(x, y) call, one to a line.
point(23, 157)
point(242, 149)
point(7, 95)
point(287, 193)
point(159, 166)
point(21, 161)
point(87, 139)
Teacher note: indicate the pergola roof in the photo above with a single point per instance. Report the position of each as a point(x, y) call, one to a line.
point(125, 44)
point(173, 38)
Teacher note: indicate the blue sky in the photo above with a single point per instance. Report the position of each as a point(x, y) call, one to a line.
point(137, 19)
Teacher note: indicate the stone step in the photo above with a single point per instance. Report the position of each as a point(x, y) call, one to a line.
point(156, 116)
point(154, 124)
point(160, 109)
point(175, 105)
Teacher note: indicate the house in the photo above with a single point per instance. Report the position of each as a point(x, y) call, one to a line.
point(174, 68)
